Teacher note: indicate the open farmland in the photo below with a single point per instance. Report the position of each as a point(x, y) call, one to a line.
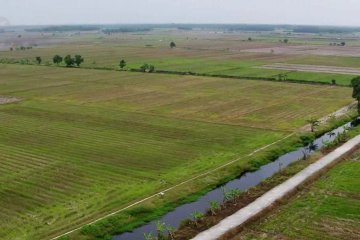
point(329, 209)
point(314, 68)
point(82, 143)
point(202, 52)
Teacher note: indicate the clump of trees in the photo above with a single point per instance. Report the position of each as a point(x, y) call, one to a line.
point(122, 64)
point(69, 61)
point(147, 68)
point(355, 83)
point(282, 77)
point(126, 30)
point(38, 60)
point(76, 61)
point(342, 44)
point(57, 59)
point(172, 45)
point(23, 48)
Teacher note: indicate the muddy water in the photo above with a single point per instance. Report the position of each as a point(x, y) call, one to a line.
point(243, 183)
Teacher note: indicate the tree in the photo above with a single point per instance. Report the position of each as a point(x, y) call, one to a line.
point(144, 67)
point(313, 123)
point(38, 60)
point(78, 60)
point(57, 59)
point(147, 68)
point(151, 68)
point(249, 39)
point(333, 82)
point(355, 83)
point(312, 147)
point(122, 64)
point(286, 40)
point(69, 61)
point(173, 45)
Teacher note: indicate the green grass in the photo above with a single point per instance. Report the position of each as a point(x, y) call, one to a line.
point(337, 61)
point(83, 143)
point(329, 209)
point(198, 53)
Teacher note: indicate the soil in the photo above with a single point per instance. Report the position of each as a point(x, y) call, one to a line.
point(313, 68)
point(346, 51)
point(7, 100)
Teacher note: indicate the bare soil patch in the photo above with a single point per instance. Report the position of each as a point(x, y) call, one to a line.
point(313, 68)
point(7, 100)
point(353, 51)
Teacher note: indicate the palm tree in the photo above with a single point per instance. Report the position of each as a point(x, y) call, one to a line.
point(331, 134)
point(312, 147)
point(313, 123)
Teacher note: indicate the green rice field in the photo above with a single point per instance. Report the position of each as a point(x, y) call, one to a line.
point(82, 143)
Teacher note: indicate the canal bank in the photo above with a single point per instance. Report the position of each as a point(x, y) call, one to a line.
point(269, 199)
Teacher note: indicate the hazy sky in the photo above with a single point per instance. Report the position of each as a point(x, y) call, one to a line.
point(324, 12)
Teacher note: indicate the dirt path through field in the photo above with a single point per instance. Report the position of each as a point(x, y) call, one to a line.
point(6, 100)
point(313, 68)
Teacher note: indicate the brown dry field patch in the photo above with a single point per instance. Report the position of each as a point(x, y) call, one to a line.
point(7, 100)
point(313, 68)
point(348, 51)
